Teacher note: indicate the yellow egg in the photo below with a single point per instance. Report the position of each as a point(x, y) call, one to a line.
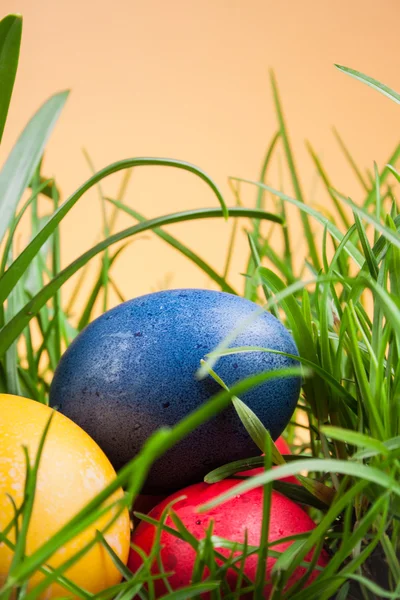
point(72, 471)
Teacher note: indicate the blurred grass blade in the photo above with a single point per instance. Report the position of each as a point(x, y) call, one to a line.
point(355, 438)
point(10, 41)
point(13, 329)
point(322, 173)
point(351, 161)
point(293, 173)
point(192, 591)
point(374, 83)
point(21, 164)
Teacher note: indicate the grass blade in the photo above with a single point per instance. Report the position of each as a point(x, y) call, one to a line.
point(21, 164)
point(374, 83)
point(10, 41)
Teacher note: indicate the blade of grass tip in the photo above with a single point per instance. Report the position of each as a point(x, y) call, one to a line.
point(12, 330)
point(10, 41)
point(369, 255)
point(182, 248)
point(21, 164)
point(293, 172)
point(374, 83)
point(328, 185)
point(351, 161)
point(8, 280)
point(106, 232)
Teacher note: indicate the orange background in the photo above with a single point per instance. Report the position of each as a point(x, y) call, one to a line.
point(189, 80)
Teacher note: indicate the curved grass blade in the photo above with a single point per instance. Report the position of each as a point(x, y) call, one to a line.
point(10, 41)
point(13, 329)
point(10, 278)
point(21, 164)
point(374, 83)
point(343, 467)
point(172, 241)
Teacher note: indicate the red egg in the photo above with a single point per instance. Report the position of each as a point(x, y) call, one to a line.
point(231, 520)
point(282, 446)
point(283, 449)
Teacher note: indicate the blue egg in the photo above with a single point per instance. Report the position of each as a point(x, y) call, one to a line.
point(133, 370)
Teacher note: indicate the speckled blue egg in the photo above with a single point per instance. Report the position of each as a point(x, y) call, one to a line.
point(133, 370)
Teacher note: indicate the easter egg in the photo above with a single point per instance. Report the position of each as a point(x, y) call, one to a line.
point(133, 370)
point(72, 471)
point(242, 513)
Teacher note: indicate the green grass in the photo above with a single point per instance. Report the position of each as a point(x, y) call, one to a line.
point(343, 310)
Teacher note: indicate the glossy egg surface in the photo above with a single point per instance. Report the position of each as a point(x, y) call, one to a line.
point(231, 520)
point(72, 471)
point(133, 369)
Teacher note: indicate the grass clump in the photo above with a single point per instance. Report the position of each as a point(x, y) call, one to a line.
point(342, 306)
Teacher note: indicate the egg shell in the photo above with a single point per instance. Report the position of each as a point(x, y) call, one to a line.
point(72, 470)
point(133, 370)
point(231, 520)
point(283, 449)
